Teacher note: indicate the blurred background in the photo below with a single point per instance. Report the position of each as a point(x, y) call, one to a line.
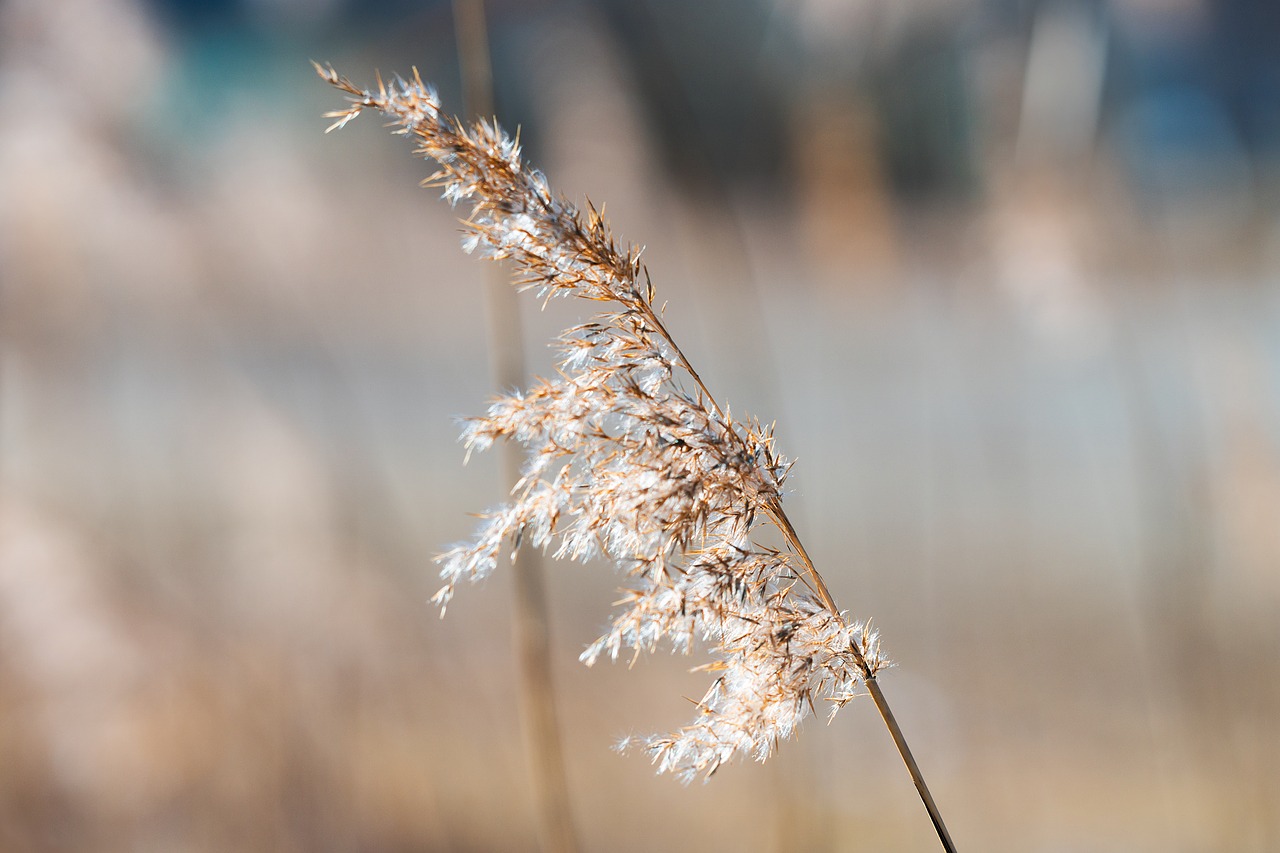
point(1007, 274)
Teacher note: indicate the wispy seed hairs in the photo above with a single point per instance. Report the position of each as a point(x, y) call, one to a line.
point(629, 456)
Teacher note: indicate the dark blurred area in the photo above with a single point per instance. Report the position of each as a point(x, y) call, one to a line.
point(1007, 274)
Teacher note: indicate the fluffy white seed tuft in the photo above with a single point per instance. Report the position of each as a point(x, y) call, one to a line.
point(630, 458)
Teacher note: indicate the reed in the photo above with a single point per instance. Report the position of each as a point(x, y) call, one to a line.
point(531, 619)
point(629, 456)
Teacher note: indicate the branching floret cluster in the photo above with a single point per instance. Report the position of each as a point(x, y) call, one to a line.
point(630, 457)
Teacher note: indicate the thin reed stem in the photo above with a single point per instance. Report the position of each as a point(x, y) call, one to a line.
point(900, 741)
point(532, 631)
point(869, 679)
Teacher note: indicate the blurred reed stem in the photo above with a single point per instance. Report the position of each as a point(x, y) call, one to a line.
point(532, 632)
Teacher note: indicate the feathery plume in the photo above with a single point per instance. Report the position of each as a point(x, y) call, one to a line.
point(630, 457)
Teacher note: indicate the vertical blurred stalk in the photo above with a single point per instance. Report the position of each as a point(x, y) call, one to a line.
point(532, 634)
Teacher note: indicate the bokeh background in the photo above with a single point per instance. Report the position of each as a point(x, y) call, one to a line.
point(1007, 274)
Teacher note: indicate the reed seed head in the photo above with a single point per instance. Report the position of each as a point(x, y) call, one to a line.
point(630, 458)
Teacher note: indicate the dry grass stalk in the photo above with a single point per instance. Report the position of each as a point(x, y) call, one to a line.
point(531, 618)
point(629, 456)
